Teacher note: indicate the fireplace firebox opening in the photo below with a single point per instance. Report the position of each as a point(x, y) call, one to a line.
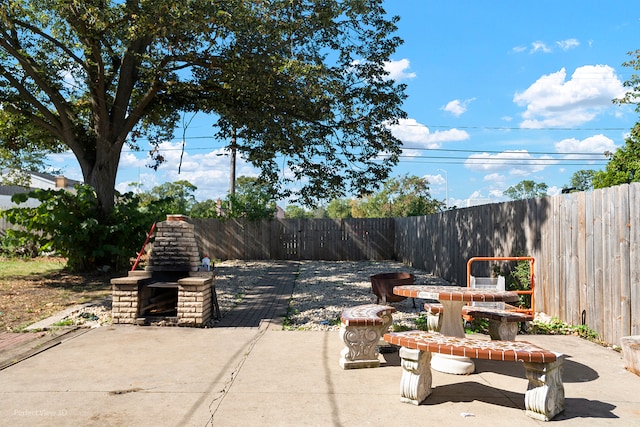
point(158, 300)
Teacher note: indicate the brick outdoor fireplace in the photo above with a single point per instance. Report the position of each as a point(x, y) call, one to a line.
point(171, 290)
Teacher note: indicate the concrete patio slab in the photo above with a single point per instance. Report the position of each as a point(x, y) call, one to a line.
point(141, 376)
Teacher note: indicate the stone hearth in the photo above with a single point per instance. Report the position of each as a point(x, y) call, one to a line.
point(171, 290)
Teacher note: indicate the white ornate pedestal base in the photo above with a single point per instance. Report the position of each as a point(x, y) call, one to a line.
point(415, 384)
point(361, 349)
point(544, 398)
point(452, 364)
point(452, 326)
point(503, 330)
point(434, 322)
point(362, 341)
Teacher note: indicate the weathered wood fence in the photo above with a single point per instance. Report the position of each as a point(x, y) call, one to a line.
point(316, 239)
point(585, 245)
point(5, 225)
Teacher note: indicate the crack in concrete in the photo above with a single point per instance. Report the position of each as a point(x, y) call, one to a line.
point(227, 386)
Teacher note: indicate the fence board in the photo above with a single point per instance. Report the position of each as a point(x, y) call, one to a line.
point(581, 267)
point(555, 255)
point(623, 272)
point(608, 261)
point(634, 261)
point(572, 291)
point(598, 260)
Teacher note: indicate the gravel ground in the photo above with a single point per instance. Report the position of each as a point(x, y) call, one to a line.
point(322, 290)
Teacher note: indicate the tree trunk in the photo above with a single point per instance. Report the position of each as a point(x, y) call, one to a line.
point(101, 175)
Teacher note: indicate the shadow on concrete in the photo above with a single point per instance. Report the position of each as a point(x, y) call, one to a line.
point(574, 372)
point(471, 391)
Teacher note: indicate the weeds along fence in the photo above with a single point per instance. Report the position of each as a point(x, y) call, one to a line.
point(585, 245)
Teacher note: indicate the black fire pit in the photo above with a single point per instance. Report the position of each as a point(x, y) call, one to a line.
point(382, 285)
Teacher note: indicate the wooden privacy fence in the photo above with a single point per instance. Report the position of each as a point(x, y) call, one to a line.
point(5, 225)
point(585, 245)
point(315, 239)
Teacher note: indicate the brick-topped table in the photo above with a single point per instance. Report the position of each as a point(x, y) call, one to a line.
point(455, 293)
point(453, 298)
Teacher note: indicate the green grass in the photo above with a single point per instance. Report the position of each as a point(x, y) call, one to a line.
point(10, 267)
point(65, 322)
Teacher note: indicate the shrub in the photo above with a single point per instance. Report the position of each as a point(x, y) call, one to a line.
point(67, 224)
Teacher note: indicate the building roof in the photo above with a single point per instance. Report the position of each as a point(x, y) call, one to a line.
point(38, 180)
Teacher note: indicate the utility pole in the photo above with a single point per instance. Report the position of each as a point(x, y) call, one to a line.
point(232, 174)
point(232, 170)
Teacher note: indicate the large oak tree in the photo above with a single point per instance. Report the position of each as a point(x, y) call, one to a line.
point(300, 82)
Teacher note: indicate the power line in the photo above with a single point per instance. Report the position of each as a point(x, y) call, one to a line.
point(484, 127)
point(479, 160)
point(452, 150)
point(426, 125)
point(513, 151)
point(508, 163)
point(453, 160)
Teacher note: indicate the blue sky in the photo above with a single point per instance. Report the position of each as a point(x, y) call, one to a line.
point(498, 92)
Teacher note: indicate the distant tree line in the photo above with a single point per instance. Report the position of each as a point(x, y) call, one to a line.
point(253, 199)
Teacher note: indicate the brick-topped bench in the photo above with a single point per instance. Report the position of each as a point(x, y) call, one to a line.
point(361, 330)
point(544, 397)
point(503, 323)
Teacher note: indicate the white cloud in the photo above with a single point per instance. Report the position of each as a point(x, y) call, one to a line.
point(494, 177)
point(539, 46)
point(597, 144)
point(410, 132)
point(457, 107)
point(397, 70)
point(553, 101)
point(554, 190)
point(130, 160)
point(568, 44)
point(209, 171)
point(513, 162)
point(435, 179)
point(497, 194)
